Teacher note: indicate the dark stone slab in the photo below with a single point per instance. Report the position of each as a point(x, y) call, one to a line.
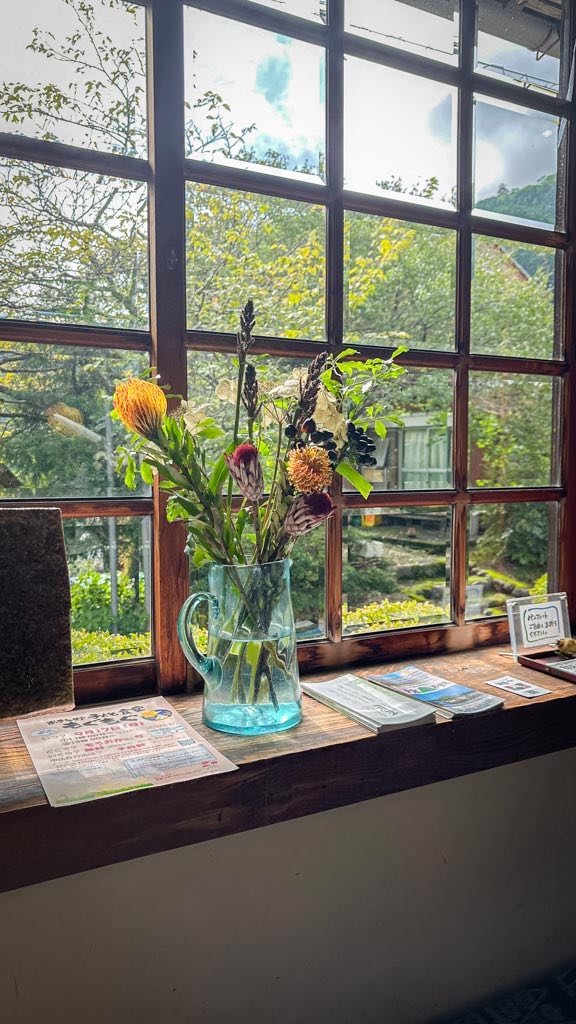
point(35, 644)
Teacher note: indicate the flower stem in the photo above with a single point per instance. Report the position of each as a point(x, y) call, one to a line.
point(255, 509)
point(272, 502)
point(239, 386)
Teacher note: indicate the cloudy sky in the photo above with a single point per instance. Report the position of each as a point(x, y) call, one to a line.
point(396, 125)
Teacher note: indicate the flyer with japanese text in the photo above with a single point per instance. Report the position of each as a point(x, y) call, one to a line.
point(98, 752)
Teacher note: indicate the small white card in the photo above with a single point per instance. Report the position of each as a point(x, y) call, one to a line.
point(518, 686)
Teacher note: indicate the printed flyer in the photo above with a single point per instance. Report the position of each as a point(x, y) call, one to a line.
point(98, 752)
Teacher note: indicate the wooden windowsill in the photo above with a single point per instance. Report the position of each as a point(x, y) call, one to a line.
point(327, 761)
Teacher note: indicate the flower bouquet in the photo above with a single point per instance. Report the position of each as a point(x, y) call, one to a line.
point(247, 494)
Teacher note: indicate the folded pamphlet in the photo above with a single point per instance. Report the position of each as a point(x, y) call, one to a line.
point(369, 705)
point(450, 699)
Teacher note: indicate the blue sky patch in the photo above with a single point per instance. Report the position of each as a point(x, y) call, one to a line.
point(273, 78)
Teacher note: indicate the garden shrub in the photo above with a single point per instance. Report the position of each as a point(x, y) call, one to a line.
point(91, 602)
point(90, 646)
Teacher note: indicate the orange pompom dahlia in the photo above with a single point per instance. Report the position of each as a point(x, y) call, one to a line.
point(141, 405)
point(308, 469)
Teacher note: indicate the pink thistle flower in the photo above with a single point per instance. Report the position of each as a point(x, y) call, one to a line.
point(306, 512)
point(246, 471)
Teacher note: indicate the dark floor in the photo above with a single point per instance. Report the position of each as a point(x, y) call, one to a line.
point(550, 1001)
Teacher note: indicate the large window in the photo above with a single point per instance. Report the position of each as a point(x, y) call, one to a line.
point(372, 173)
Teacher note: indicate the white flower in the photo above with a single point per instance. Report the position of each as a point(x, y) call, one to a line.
point(193, 418)
point(226, 391)
point(328, 416)
point(289, 388)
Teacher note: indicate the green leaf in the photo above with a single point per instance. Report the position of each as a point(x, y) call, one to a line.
point(242, 519)
point(364, 487)
point(220, 471)
point(399, 351)
point(147, 473)
point(210, 433)
point(130, 474)
point(200, 557)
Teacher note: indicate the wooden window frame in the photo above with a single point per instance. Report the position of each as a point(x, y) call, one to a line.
point(168, 341)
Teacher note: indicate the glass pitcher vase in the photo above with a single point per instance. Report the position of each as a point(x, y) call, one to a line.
point(250, 668)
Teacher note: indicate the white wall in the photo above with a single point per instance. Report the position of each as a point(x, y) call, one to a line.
point(392, 911)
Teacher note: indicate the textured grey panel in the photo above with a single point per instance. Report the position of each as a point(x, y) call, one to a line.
point(35, 646)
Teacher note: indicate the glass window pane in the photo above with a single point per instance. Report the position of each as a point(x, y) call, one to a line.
point(513, 290)
point(515, 162)
point(253, 97)
point(521, 42)
point(510, 430)
point(73, 246)
point(509, 554)
point(243, 246)
point(426, 27)
point(111, 583)
point(75, 73)
point(308, 568)
point(396, 569)
point(412, 152)
point(417, 455)
point(56, 435)
point(314, 10)
point(399, 281)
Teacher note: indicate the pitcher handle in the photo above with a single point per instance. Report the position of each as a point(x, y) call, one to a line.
point(207, 667)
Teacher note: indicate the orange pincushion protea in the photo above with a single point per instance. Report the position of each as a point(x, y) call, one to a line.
point(141, 405)
point(309, 469)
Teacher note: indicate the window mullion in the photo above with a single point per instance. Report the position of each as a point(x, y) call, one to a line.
point(165, 54)
point(567, 519)
point(463, 293)
point(335, 285)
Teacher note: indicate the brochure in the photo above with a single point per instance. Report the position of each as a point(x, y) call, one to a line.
point(450, 699)
point(367, 704)
point(519, 686)
point(98, 752)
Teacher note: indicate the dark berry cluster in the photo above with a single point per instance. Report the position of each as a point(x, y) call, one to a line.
point(308, 432)
point(360, 445)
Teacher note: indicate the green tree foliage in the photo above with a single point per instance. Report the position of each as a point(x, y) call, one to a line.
point(241, 244)
point(515, 536)
point(531, 202)
point(400, 281)
point(73, 246)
